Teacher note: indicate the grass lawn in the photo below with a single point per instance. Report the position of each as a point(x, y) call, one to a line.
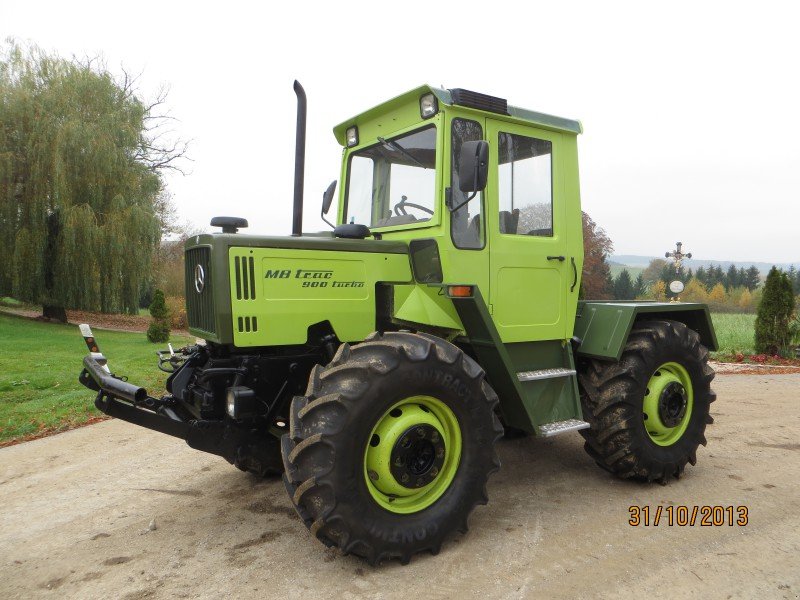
point(735, 332)
point(39, 389)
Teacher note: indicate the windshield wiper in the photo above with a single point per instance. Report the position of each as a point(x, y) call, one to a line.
point(399, 148)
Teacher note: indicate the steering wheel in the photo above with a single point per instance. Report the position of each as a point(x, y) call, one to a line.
point(400, 207)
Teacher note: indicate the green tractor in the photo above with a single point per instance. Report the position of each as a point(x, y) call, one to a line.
point(376, 366)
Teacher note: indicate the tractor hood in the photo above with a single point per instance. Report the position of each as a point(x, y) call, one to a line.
point(252, 290)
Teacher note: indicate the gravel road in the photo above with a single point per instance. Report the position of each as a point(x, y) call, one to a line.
point(114, 511)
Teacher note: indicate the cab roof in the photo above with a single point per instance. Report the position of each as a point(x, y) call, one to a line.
point(455, 97)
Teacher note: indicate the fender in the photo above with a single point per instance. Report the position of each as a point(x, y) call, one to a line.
point(603, 327)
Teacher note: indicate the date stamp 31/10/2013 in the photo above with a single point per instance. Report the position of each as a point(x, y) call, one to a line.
point(682, 515)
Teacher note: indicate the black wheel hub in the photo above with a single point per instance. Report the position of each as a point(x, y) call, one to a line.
point(417, 456)
point(672, 404)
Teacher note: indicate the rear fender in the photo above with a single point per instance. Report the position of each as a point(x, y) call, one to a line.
point(603, 327)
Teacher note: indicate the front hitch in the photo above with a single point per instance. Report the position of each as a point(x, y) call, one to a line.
point(122, 400)
point(239, 445)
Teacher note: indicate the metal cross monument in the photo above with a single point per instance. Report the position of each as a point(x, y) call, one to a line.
point(677, 255)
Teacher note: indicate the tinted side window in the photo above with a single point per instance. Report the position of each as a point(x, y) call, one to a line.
point(466, 223)
point(525, 180)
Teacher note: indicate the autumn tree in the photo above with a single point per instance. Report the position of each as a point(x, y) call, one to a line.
point(695, 291)
point(745, 300)
point(597, 246)
point(81, 190)
point(658, 291)
point(653, 271)
point(717, 294)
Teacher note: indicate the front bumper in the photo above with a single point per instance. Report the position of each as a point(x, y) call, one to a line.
point(122, 400)
point(117, 398)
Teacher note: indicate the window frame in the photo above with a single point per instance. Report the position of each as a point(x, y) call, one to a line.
point(430, 123)
point(481, 194)
point(552, 143)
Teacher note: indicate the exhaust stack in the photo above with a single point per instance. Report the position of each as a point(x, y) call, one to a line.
point(299, 159)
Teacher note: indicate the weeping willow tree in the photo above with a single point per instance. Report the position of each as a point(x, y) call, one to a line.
point(80, 184)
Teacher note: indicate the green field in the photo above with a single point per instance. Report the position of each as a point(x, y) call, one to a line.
point(735, 332)
point(39, 387)
point(617, 269)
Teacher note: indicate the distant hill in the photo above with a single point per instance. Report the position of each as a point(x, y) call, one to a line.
point(640, 262)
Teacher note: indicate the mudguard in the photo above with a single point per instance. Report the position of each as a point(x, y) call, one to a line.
point(603, 327)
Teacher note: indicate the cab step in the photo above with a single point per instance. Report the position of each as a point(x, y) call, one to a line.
point(544, 374)
point(556, 427)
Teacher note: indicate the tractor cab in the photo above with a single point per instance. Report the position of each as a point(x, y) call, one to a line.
point(483, 192)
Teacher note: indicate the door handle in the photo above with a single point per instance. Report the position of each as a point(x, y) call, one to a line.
point(558, 258)
point(575, 271)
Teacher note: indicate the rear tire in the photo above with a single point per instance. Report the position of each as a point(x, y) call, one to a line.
point(648, 412)
point(333, 471)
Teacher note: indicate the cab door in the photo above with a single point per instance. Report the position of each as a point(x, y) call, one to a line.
point(529, 266)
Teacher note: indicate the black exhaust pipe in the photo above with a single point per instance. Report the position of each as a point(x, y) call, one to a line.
point(299, 159)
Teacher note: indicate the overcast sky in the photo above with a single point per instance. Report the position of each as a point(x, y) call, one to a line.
point(689, 109)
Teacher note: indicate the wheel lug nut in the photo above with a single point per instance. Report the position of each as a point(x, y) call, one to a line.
point(434, 472)
point(420, 432)
point(435, 437)
point(404, 478)
point(439, 452)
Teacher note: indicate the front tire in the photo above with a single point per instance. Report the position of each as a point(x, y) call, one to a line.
point(391, 448)
point(649, 411)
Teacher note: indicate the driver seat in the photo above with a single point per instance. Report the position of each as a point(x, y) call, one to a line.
point(509, 221)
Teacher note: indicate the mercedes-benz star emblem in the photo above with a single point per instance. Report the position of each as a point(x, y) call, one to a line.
point(199, 278)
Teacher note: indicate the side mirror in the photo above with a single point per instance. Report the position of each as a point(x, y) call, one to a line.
point(327, 198)
point(473, 166)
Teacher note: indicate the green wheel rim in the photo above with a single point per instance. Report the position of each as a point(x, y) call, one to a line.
point(668, 404)
point(416, 413)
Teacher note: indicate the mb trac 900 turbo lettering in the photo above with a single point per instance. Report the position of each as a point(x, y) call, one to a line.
point(375, 366)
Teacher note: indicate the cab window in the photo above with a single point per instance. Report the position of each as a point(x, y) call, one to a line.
point(466, 224)
point(525, 182)
point(393, 182)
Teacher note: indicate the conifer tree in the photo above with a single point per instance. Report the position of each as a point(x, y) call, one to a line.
point(775, 313)
point(753, 278)
point(623, 286)
point(158, 331)
point(639, 286)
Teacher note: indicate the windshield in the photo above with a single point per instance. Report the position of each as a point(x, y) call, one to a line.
point(393, 182)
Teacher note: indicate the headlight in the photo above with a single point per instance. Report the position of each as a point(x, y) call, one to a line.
point(428, 106)
point(351, 135)
point(241, 402)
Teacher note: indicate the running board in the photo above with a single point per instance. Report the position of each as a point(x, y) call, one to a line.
point(544, 374)
point(551, 429)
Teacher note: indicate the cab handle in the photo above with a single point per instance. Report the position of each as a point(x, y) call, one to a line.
point(575, 274)
point(558, 258)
